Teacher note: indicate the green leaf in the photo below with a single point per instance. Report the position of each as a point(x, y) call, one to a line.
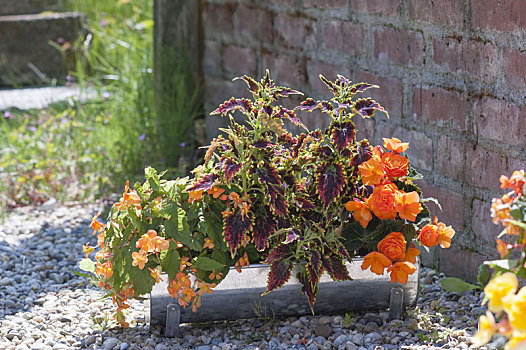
point(483, 274)
point(456, 285)
point(142, 281)
point(207, 264)
point(80, 274)
point(170, 260)
point(87, 265)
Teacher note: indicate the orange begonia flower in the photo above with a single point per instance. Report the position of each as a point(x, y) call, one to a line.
point(400, 271)
point(395, 165)
point(377, 261)
point(408, 205)
point(208, 243)
point(502, 248)
point(160, 244)
point(195, 196)
point(216, 191)
point(515, 182)
point(87, 249)
point(393, 246)
point(372, 171)
point(104, 269)
point(383, 201)
point(360, 211)
point(156, 274)
point(429, 235)
point(96, 225)
point(128, 199)
point(411, 254)
point(139, 259)
point(445, 233)
point(395, 145)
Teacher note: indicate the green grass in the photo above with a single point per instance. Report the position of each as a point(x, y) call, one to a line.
point(81, 151)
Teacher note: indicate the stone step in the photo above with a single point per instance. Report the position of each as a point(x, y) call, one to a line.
point(21, 7)
point(26, 56)
point(42, 97)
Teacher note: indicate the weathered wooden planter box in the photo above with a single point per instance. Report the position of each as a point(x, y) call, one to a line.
point(238, 296)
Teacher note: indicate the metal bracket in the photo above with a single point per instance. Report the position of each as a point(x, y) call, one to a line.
point(173, 318)
point(396, 303)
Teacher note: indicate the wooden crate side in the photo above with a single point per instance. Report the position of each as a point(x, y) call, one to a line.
point(238, 296)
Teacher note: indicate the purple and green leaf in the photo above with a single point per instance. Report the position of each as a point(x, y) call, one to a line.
point(236, 226)
point(330, 182)
point(279, 274)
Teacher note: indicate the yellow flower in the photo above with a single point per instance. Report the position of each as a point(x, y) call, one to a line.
point(517, 342)
point(498, 288)
point(515, 307)
point(486, 329)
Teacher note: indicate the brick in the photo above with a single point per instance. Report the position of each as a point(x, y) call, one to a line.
point(313, 120)
point(481, 222)
point(451, 158)
point(398, 46)
point(484, 167)
point(291, 31)
point(420, 152)
point(513, 64)
point(460, 263)
point(500, 120)
point(212, 57)
point(384, 7)
point(440, 107)
point(364, 128)
point(219, 18)
point(325, 4)
point(219, 90)
point(453, 205)
point(444, 12)
point(389, 95)
point(473, 58)
point(315, 68)
point(504, 16)
point(346, 37)
point(514, 164)
point(285, 70)
point(286, 3)
point(254, 23)
point(239, 60)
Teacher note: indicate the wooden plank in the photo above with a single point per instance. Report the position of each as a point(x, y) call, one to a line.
point(238, 296)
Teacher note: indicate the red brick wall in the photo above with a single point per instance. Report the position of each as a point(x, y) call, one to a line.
point(452, 72)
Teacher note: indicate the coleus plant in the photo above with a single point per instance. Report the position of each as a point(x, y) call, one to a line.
point(304, 204)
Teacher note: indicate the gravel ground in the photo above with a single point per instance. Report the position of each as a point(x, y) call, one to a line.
point(43, 305)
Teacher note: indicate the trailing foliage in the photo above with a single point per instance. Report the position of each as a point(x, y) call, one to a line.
point(307, 202)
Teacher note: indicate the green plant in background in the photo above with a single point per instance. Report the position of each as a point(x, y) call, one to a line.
point(50, 154)
point(70, 152)
point(116, 57)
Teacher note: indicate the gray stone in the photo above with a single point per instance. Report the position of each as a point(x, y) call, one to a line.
point(325, 320)
point(110, 343)
point(323, 330)
point(357, 339)
point(5, 281)
point(340, 340)
point(90, 340)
